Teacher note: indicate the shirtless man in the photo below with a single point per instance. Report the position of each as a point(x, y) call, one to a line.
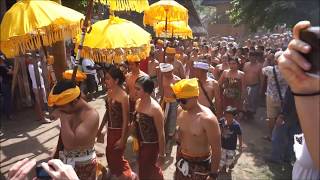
point(169, 104)
point(153, 70)
point(79, 127)
point(198, 134)
point(178, 67)
point(131, 77)
point(233, 85)
point(159, 51)
point(252, 70)
point(211, 87)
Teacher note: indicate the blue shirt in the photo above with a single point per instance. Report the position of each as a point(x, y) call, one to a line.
point(229, 134)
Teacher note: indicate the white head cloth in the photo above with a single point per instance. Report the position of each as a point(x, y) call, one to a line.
point(166, 67)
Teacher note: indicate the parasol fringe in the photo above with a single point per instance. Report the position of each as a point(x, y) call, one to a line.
point(109, 55)
point(126, 5)
point(149, 16)
point(29, 42)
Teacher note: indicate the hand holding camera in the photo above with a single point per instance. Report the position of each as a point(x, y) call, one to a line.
point(299, 72)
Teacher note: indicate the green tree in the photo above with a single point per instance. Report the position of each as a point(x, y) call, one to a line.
point(269, 13)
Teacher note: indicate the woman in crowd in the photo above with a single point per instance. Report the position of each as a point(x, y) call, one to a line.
point(149, 125)
point(117, 114)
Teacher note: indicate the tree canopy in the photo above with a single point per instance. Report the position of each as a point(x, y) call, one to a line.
point(269, 13)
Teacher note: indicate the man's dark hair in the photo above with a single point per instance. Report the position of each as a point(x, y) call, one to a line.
point(62, 86)
point(254, 53)
point(234, 59)
point(146, 83)
point(115, 73)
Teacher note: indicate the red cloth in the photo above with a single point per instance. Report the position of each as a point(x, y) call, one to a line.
point(144, 65)
point(116, 162)
point(148, 156)
point(86, 171)
point(231, 102)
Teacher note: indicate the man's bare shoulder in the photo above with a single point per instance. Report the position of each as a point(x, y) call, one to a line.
point(212, 81)
point(241, 73)
point(123, 96)
point(207, 116)
point(91, 115)
point(128, 75)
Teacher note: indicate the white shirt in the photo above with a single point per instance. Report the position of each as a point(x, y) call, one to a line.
point(33, 76)
point(303, 167)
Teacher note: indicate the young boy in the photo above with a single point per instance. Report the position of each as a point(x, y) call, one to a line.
point(230, 130)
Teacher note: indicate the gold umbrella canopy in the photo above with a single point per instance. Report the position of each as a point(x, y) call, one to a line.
point(165, 10)
point(176, 29)
point(126, 5)
point(113, 39)
point(28, 22)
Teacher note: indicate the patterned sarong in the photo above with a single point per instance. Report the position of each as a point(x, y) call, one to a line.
point(192, 168)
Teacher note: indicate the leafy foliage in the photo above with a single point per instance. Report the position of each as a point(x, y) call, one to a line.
point(269, 13)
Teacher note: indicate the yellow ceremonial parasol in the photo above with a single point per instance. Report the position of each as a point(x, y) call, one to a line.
point(126, 5)
point(176, 29)
point(111, 40)
point(29, 23)
point(165, 10)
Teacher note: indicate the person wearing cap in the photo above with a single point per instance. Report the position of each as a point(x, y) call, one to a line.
point(177, 65)
point(252, 77)
point(131, 77)
point(233, 87)
point(199, 153)
point(230, 132)
point(168, 103)
point(79, 126)
point(209, 88)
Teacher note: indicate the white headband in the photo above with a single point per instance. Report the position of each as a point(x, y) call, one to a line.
point(201, 65)
point(166, 67)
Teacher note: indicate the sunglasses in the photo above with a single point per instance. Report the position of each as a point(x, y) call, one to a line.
point(182, 101)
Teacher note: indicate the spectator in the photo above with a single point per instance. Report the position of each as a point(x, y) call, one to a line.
point(306, 91)
point(88, 67)
point(273, 100)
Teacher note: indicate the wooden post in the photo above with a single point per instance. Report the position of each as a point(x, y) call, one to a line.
point(39, 92)
point(25, 79)
point(20, 101)
point(59, 54)
point(14, 78)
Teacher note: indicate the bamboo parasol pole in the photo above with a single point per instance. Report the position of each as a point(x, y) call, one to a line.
point(85, 25)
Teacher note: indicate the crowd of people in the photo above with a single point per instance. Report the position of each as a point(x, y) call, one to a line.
point(193, 93)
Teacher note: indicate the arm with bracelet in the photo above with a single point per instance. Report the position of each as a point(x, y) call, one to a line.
point(305, 87)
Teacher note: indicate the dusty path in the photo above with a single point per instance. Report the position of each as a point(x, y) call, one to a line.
point(25, 137)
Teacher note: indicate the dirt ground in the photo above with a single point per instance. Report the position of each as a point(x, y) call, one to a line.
point(26, 137)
